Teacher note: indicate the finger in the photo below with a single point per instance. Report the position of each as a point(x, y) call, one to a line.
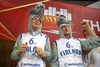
point(37, 48)
point(26, 42)
point(40, 53)
point(22, 49)
point(37, 51)
point(83, 23)
point(24, 46)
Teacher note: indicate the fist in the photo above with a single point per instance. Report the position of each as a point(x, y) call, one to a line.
point(39, 51)
point(23, 47)
point(84, 24)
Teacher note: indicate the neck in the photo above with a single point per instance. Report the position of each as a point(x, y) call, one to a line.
point(34, 29)
point(67, 36)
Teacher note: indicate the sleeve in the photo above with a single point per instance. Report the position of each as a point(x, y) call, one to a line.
point(54, 61)
point(90, 43)
point(97, 63)
point(47, 50)
point(16, 48)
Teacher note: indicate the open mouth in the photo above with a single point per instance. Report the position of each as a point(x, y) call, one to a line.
point(66, 30)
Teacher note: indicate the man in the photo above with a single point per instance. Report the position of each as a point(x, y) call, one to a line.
point(67, 50)
point(87, 53)
point(33, 48)
point(94, 57)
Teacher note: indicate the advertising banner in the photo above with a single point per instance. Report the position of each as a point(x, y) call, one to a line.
point(15, 21)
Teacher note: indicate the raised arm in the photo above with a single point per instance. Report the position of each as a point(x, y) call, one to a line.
point(86, 25)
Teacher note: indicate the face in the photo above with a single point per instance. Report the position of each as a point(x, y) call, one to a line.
point(35, 22)
point(66, 29)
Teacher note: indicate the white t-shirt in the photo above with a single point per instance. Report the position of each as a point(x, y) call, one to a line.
point(30, 58)
point(69, 52)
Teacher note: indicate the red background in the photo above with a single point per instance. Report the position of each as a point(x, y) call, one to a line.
point(15, 21)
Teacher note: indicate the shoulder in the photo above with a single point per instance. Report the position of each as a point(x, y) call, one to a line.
point(44, 35)
point(82, 39)
point(23, 34)
point(26, 33)
point(57, 40)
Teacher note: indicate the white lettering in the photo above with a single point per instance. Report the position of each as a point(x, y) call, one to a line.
point(52, 11)
point(93, 24)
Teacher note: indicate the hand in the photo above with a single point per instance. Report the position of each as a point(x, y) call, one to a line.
point(88, 28)
point(39, 51)
point(84, 24)
point(22, 48)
